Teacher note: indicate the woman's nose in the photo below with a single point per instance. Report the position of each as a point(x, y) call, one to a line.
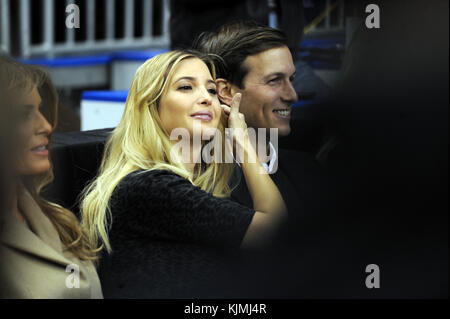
point(44, 126)
point(205, 98)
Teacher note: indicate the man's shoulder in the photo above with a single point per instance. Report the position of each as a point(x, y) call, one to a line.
point(287, 157)
point(301, 168)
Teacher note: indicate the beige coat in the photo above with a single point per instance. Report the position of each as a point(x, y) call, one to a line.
point(32, 261)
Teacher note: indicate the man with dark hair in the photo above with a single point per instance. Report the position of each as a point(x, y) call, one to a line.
point(259, 65)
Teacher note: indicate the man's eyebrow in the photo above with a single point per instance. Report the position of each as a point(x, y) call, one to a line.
point(280, 74)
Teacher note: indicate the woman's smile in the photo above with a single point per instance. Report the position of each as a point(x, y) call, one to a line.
point(41, 150)
point(205, 116)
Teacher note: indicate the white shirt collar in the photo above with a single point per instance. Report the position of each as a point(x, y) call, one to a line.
point(269, 166)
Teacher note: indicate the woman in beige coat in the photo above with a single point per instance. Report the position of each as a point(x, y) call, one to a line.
point(44, 253)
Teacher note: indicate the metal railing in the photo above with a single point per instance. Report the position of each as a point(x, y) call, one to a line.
point(4, 26)
point(47, 22)
point(19, 37)
point(331, 20)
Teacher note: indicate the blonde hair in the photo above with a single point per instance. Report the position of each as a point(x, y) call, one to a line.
point(19, 80)
point(139, 142)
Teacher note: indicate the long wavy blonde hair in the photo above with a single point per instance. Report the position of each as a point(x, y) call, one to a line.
point(140, 142)
point(18, 79)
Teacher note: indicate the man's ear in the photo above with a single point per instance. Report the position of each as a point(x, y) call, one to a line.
point(224, 91)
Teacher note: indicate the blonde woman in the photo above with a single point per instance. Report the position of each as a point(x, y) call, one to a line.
point(165, 222)
point(44, 252)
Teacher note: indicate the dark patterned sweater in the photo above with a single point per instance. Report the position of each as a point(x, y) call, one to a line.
point(170, 239)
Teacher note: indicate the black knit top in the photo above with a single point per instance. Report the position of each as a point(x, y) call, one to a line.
point(168, 236)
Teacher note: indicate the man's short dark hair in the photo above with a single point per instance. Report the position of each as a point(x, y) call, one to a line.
point(234, 42)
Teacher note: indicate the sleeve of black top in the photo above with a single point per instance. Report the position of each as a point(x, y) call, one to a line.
point(162, 205)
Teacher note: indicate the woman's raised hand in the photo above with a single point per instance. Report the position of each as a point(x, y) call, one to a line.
point(270, 210)
point(237, 126)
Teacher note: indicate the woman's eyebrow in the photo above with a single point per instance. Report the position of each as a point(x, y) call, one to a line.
point(189, 78)
point(193, 79)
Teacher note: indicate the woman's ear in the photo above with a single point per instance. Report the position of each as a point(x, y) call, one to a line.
point(224, 91)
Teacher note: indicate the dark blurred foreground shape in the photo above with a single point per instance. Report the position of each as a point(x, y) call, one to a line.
point(190, 18)
point(387, 168)
point(384, 150)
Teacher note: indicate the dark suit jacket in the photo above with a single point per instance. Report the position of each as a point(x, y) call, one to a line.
point(299, 181)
